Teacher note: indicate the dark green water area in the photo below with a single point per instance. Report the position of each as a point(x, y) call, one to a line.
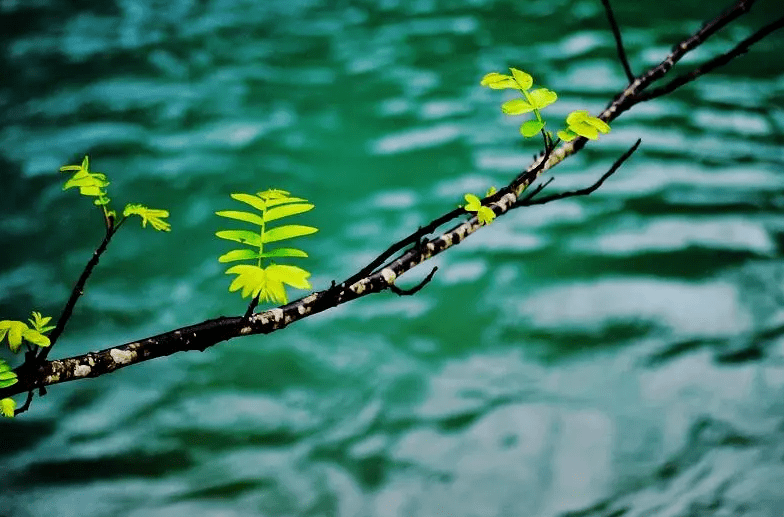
point(614, 355)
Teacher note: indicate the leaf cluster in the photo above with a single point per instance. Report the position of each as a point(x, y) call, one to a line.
point(265, 279)
point(93, 184)
point(485, 214)
point(578, 123)
point(18, 331)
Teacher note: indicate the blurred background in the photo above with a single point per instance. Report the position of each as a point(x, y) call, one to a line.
point(618, 354)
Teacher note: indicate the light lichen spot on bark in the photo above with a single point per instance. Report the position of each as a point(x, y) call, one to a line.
point(304, 309)
point(82, 370)
point(309, 299)
point(388, 275)
point(245, 330)
point(121, 356)
point(277, 314)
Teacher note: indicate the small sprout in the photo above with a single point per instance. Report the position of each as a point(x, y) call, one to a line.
point(581, 123)
point(91, 184)
point(7, 407)
point(485, 214)
point(492, 190)
point(152, 215)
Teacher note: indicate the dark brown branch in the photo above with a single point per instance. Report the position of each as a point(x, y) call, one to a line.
point(24, 407)
point(76, 292)
point(710, 65)
point(251, 307)
point(408, 292)
point(618, 41)
point(582, 192)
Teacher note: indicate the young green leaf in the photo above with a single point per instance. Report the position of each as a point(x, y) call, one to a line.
point(485, 214)
point(530, 128)
point(541, 97)
point(582, 123)
point(288, 231)
point(284, 252)
point(286, 210)
point(7, 376)
point(517, 107)
point(241, 236)
point(7, 407)
point(241, 216)
point(152, 215)
point(235, 255)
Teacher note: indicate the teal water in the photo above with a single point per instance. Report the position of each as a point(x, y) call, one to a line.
point(620, 354)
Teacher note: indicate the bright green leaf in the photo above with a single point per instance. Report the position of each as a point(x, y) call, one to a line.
point(542, 97)
point(516, 107)
point(485, 214)
point(492, 190)
point(523, 80)
point(284, 252)
point(254, 201)
point(152, 215)
point(35, 337)
point(473, 203)
point(291, 275)
point(287, 232)
point(531, 128)
point(241, 216)
point(286, 210)
point(241, 236)
point(566, 135)
point(235, 255)
point(498, 81)
point(7, 407)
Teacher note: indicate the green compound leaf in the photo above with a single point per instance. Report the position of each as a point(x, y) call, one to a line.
point(531, 128)
point(566, 135)
point(267, 283)
point(154, 216)
point(241, 216)
point(288, 231)
point(7, 407)
point(14, 330)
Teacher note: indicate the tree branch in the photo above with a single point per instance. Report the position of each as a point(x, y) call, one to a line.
point(618, 41)
point(370, 279)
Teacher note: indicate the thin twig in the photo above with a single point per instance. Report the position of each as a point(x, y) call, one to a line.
point(251, 307)
point(408, 292)
point(585, 191)
point(24, 407)
point(76, 292)
point(712, 64)
point(618, 41)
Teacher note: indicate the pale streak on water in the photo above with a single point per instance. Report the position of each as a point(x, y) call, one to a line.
point(614, 355)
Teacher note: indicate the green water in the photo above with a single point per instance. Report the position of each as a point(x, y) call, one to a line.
point(621, 354)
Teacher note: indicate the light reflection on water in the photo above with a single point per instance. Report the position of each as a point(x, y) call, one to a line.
point(613, 355)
